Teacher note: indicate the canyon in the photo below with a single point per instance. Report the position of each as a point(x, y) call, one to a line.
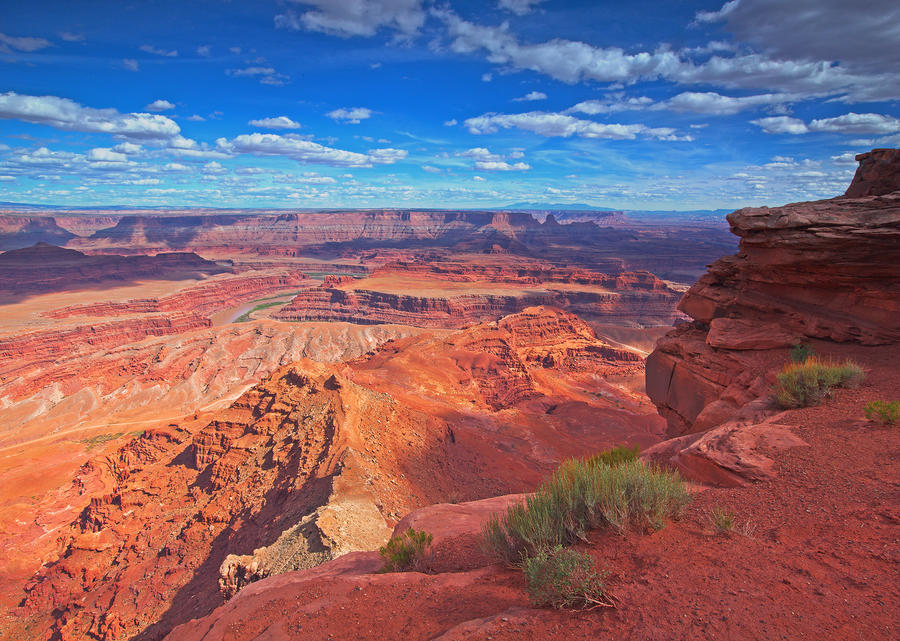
point(211, 421)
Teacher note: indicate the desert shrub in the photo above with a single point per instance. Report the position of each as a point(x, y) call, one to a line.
point(801, 352)
point(807, 383)
point(721, 519)
point(406, 551)
point(564, 578)
point(887, 412)
point(615, 456)
point(582, 495)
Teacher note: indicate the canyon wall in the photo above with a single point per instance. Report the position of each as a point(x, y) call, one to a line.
point(826, 270)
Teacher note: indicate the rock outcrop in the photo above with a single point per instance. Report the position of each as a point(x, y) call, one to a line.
point(44, 268)
point(826, 270)
point(878, 174)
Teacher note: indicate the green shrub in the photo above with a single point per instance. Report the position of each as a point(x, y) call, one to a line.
point(582, 495)
point(618, 454)
point(722, 520)
point(800, 353)
point(887, 412)
point(563, 578)
point(405, 552)
point(807, 383)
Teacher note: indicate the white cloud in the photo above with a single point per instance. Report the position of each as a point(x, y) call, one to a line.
point(479, 153)
point(196, 118)
point(451, 123)
point(430, 169)
point(348, 18)
point(160, 105)
point(618, 103)
point(557, 124)
point(572, 61)
point(68, 115)
point(851, 124)
point(531, 96)
point(302, 150)
point(129, 148)
point(277, 122)
point(266, 75)
point(72, 37)
point(25, 44)
point(486, 77)
point(352, 115)
point(203, 50)
point(519, 7)
point(478, 179)
point(156, 51)
point(500, 165)
point(106, 155)
point(131, 64)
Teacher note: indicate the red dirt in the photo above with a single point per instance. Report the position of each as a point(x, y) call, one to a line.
point(813, 555)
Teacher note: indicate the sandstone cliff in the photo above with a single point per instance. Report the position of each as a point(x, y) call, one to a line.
point(827, 270)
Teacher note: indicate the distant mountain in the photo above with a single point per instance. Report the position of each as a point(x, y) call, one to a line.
point(556, 207)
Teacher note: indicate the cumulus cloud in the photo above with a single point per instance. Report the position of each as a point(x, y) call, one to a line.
point(156, 51)
point(106, 155)
point(306, 151)
point(500, 165)
point(531, 96)
point(160, 105)
point(564, 125)
point(196, 118)
point(277, 122)
point(353, 115)
point(573, 61)
point(850, 123)
point(519, 7)
point(20, 43)
point(348, 18)
point(479, 153)
point(68, 115)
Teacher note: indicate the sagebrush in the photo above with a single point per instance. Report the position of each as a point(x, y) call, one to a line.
point(615, 456)
point(564, 578)
point(887, 412)
point(405, 552)
point(808, 383)
point(582, 495)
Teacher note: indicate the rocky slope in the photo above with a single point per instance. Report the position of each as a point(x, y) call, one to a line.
point(18, 231)
point(318, 460)
point(826, 270)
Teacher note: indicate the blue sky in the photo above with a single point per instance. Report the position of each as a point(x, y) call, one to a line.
point(416, 103)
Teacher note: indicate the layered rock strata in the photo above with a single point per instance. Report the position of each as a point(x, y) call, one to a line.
point(827, 270)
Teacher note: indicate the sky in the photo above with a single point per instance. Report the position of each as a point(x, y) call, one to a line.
point(427, 103)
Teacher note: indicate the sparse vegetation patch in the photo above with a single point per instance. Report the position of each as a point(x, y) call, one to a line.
point(615, 456)
point(885, 412)
point(801, 352)
point(406, 552)
point(581, 495)
point(721, 519)
point(808, 383)
point(100, 439)
point(564, 578)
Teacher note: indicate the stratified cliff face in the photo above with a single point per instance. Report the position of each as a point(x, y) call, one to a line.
point(18, 231)
point(432, 295)
point(44, 267)
point(317, 460)
point(825, 270)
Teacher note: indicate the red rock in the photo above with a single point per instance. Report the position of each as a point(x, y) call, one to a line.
point(878, 173)
point(822, 270)
point(731, 455)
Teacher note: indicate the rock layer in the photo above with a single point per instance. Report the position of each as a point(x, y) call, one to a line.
point(825, 270)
